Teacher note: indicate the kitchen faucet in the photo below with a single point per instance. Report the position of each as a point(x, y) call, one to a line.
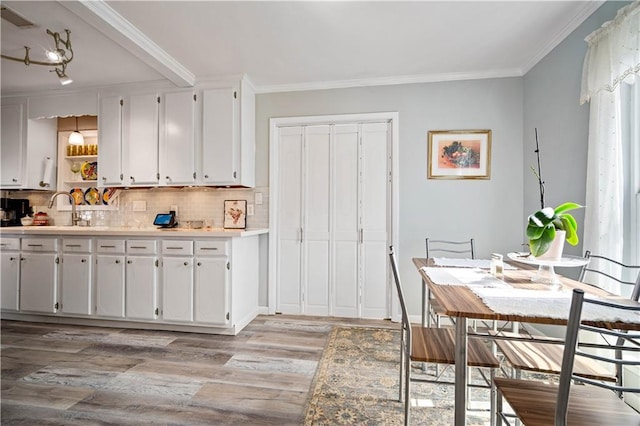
point(75, 219)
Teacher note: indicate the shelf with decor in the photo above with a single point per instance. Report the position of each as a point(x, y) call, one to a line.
point(78, 167)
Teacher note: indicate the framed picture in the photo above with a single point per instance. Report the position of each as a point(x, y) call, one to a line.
point(459, 154)
point(235, 214)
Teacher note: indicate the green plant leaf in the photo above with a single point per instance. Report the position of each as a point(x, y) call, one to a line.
point(534, 232)
point(570, 226)
point(565, 207)
point(540, 246)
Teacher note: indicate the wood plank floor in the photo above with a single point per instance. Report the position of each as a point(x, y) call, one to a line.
point(77, 375)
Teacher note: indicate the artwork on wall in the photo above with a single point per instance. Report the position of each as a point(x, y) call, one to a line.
point(459, 154)
point(235, 214)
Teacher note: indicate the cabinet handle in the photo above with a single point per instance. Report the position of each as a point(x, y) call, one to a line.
point(117, 261)
point(132, 178)
point(186, 263)
point(72, 245)
point(173, 248)
point(3, 244)
point(107, 246)
point(129, 261)
point(138, 247)
point(83, 260)
point(167, 177)
point(199, 264)
point(206, 176)
point(14, 180)
point(361, 236)
point(34, 245)
point(12, 258)
point(208, 248)
point(22, 258)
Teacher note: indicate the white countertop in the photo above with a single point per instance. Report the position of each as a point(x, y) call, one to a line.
point(130, 231)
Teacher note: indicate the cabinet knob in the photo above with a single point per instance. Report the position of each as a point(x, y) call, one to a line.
point(117, 261)
point(83, 260)
point(12, 258)
point(186, 263)
point(199, 264)
point(104, 178)
point(206, 176)
point(129, 261)
point(167, 177)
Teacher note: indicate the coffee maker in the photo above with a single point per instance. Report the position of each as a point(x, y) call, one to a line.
point(12, 210)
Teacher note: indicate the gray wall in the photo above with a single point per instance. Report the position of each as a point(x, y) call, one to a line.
point(488, 210)
point(551, 103)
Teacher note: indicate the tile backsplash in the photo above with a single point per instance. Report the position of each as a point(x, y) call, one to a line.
point(201, 203)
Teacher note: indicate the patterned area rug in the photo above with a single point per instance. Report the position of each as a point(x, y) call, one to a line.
point(357, 384)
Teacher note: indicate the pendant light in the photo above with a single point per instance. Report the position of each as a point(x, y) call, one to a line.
point(76, 138)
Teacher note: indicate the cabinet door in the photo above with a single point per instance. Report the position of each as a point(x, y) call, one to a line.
point(38, 282)
point(374, 220)
point(177, 139)
point(9, 276)
point(289, 247)
point(110, 286)
point(177, 288)
point(141, 283)
point(76, 283)
point(11, 145)
point(211, 290)
point(140, 140)
point(110, 137)
point(220, 141)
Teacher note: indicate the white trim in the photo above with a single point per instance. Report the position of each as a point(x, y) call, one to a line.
point(274, 124)
point(106, 20)
point(388, 81)
point(574, 23)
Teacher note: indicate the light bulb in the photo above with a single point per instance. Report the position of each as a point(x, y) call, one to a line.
point(76, 138)
point(54, 55)
point(64, 80)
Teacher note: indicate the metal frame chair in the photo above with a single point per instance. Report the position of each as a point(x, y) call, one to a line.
point(433, 345)
point(593, 403)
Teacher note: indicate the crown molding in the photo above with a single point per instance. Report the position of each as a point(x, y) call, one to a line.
point(388, 81)
point(588, 9)
point(113, 25)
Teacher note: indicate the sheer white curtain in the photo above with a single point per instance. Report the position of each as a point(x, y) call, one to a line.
point(613, 57)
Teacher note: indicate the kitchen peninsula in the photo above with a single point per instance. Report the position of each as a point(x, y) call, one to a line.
point(202, 280)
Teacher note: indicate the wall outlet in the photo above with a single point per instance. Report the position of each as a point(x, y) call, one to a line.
point(249, 209)
point(139, 206)
point(258, 198)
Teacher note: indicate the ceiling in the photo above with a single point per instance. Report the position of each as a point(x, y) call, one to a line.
point(285, 46)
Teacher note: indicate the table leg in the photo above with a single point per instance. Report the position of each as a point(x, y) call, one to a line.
point(461, 372)
point(425, 305)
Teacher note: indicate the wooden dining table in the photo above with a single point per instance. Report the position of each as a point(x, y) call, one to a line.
point(462, 304)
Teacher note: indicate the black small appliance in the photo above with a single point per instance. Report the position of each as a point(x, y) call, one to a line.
point(13, 210)
point(166, 220)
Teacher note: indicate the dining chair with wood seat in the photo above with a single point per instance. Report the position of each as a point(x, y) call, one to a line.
point(433, 345)
point(577, 400)
point(544, 355)
point(445, 248)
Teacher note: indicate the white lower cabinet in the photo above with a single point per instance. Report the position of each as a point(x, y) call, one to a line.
point(141, 280)
point(177, 280)
point(211, 292)
point(76, 276)
point(10, 274)
point(110, 285)
point(39, 275)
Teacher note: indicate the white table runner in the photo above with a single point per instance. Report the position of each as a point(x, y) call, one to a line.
point(466, 263)
point(548, 304)
point(463, 276)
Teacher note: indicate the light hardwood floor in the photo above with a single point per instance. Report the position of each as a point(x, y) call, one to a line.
point(76, 375)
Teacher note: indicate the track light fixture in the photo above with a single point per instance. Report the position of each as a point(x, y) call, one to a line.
point(58, 57)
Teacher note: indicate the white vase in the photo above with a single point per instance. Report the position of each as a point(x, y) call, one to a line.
point(557, 245)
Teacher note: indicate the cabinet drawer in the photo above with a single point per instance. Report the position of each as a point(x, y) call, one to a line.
point(177, 247)
point(10, 244)
point(141, 246)
point(76, 245)
point(110, 246)
point(39, 244)
point(211, 247)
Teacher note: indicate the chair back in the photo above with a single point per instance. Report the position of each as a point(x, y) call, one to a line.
point(406, 325)
point(625, 351)
point(451, 248)
point(601, 267)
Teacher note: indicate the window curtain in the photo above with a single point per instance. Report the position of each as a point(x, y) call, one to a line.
point(613, 57)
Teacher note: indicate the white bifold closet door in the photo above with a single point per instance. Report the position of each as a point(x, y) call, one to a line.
point(333, 220)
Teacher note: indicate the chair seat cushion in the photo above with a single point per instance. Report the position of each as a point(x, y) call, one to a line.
point(437, 345)
point(535, 402)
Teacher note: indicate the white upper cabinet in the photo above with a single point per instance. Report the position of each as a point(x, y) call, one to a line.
point(140, 140)
point(12, 146)
point(228, 135)
point(28, 148)
point(110, 137)
point(177, 139)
